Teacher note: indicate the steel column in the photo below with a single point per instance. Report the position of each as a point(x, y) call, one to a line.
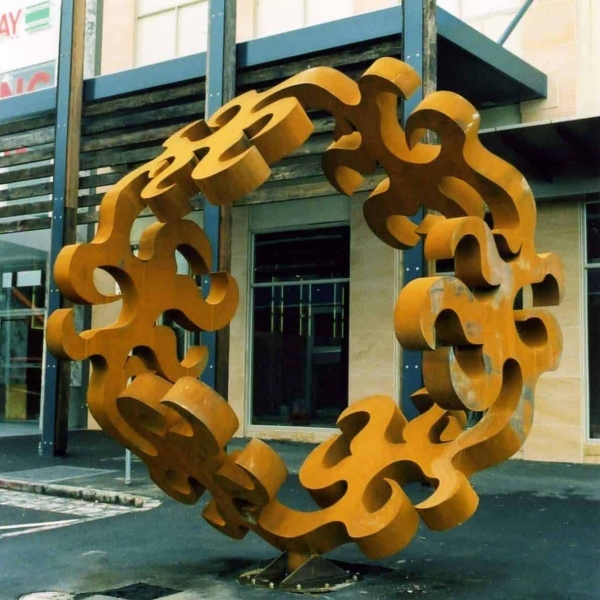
point(220, 88)
point(515, 21)
point(419, 40)
point(69, 95)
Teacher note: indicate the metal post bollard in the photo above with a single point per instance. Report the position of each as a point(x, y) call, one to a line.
point(127, 467)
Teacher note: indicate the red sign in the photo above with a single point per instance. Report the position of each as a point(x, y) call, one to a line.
point(19, 85)
point(8, 23)
point(27, 79)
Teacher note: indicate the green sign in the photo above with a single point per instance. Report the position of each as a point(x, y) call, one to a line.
point(37, 16)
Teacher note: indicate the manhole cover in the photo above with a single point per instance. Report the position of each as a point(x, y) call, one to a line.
point(48, 596)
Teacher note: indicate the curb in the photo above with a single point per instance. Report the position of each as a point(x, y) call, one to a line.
point(66, 491)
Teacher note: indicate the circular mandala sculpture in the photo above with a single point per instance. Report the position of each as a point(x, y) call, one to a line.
point(480, 352)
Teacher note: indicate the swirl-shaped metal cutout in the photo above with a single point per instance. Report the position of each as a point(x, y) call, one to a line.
point(482, 351)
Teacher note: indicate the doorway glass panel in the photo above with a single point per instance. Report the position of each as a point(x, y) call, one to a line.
point(300, 327)
point(593, 317)
point(592, 274)
point(22, 298)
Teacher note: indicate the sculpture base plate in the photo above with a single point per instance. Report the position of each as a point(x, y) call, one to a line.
point(316, 575)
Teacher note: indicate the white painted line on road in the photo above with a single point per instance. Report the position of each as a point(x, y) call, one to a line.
point(88, 511)
point(25, 525)
point(45, 528)
point(67, 506)
point(60, 505)
point(48, 596)
point(52, 474)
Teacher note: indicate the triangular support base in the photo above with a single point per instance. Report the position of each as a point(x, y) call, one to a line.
point(317, 574)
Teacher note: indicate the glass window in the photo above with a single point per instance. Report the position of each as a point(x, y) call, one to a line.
point(23, 259)
point(192, 29)
point(156, 38)
point(150, 6)
point(318, 11)
point(167, 29)
point(452, 6)
point(480, 8)
point(593, 232)
point(593, 296)
point(23, 269)
point(300, 327)
point(304, 254)
point(593, 315)
point(275, 16)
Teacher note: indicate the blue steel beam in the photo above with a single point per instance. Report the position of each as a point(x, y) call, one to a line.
point(27, 105)
point(163, 74)
point(515, 21)
point(529, 82)
point(414, 47)
point(64, 211)
point(524, 81)
point(220, 88)
point(369, 27)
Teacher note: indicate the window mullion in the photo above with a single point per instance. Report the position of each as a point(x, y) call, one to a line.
point(177, 30)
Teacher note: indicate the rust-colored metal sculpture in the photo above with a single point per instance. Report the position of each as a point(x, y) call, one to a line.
point(482, 353)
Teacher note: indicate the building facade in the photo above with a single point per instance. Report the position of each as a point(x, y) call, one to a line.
point(313, 332)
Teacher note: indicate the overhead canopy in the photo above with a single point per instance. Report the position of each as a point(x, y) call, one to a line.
point(469, 63)
point(560, 159)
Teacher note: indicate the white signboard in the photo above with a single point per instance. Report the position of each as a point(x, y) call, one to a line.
point(28, 39)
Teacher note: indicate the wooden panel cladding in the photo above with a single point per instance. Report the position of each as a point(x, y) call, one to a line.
point(119, 134)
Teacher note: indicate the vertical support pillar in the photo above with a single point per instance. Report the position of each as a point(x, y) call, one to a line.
point(419, 50)
point(220, 88)
point(69, 98)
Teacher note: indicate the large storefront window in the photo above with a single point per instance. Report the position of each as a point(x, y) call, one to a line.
point(593, 315)
point(274, 16)
point(300, 327)
point(22, 302)
point(167, 29)
point(23, 290)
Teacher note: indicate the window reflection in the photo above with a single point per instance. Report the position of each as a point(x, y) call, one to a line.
point(593, 315)
point(300, 328)
point(22, 304)
point(593, 282)
point(167, 29)
point(593, 232)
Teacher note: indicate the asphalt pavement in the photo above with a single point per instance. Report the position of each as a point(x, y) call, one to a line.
point(536, 535)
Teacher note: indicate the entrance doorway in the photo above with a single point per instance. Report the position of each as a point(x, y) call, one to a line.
point(21, 343)
point(300, 322)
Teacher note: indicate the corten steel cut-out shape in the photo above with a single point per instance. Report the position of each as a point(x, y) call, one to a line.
point(482, 350)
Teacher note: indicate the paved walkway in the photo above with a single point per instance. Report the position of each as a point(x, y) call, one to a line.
point(535, 535)
point(95, 461)
point(16, 428)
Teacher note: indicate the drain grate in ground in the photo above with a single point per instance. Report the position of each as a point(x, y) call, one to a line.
point(51, 474)
point(136, 591)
